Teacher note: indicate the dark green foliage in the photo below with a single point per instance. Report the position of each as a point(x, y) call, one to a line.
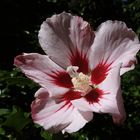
point(21, 21)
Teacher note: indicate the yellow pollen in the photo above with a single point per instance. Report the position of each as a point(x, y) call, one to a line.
point(81, 82)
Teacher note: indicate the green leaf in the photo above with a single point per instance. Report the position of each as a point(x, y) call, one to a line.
point(4, 111)
point(46, 135)
point(2, 132)
point(16, 120)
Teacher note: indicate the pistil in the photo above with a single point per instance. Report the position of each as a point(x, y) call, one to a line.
point(81, 82)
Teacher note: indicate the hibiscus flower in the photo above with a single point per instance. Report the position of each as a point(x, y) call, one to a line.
point(80, 73)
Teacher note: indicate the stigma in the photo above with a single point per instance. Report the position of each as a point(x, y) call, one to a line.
point(80, 81)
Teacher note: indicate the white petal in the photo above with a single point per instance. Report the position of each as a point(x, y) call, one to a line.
point(111, 102)
point(79, 120)
point(82, 104)
point(61, 35)
point(57, 116)
point(37, 67)
point(115, 43)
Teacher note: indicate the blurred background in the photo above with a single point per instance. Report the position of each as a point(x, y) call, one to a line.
point(21, 20)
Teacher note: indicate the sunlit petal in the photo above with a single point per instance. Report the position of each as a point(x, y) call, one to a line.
point(63, 36)
point(115, 43)
point(38, 68)
point(57, 116)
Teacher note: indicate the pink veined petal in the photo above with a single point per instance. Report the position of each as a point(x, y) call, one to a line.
point(57, 116)
point(106, 98)
point(82, 104)
point(90, 102)
point(81, 34)
point(42, 93)
point(38, 67)
point(100, 72)
point(94, 96)
point(130, 65)
point(114, 42)
point(112, 102)
point(71, 95)
point(79, 120)
point(119, 118)
point(74, 97)
point(61, 78)
point(62, 35)
point(51, 116)
point(80, 60)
